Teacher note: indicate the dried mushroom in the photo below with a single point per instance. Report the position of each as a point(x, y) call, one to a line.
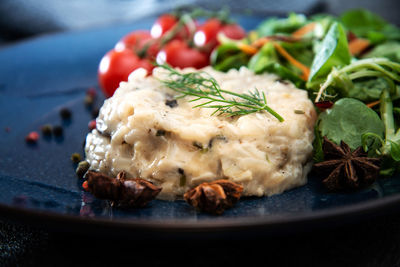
point(214, 197)
point(121, 191)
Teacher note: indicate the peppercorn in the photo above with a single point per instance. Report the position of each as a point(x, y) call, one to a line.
point(95, 113)
point(85, 185)
point(91, 92)
point(46, 130)
point(92, 125)
point(65, 113)
point(57, 130)
point(76, 158)
point(32, 137)
point(82, 168)
point(89, 101)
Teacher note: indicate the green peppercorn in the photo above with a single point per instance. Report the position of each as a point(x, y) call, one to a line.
point(82, 168)
point(76, 158)
point(47, 130)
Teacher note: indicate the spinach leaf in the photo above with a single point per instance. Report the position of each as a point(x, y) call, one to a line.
point(390, 50)
point(348, 120)
point(334, 52)
point(361, 21)
point(228, 56)
point(369, 25)
point(287, 25)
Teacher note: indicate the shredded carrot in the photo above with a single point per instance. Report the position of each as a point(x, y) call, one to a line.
point(248, 49)
point(293, 61)
point(373, 104)
point(304, 30)
point(260, 42)
point(357, 45)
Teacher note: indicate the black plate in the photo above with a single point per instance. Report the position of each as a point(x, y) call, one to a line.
point(38, 182)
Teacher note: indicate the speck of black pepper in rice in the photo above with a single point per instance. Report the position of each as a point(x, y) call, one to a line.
point(47, 129)
point(75, 157)
point(160, 132)
point(65, 113)
point(57, 130)
point(197, 144)
point(172, 103)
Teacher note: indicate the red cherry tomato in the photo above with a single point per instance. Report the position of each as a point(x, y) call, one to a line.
point(116, 66)
point(207, 33)
point(233, 31)
point(163, 24)
point(206, 36)
point(178, 54)
point(139, 42)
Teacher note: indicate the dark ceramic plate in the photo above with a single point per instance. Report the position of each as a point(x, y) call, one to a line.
point(38, 182)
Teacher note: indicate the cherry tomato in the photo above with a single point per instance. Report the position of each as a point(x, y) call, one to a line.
point(178, 54)
point(233, 31)
point(140, 42)
point(206, 36)
point(163, 24)
point(207, 33)
point(116, 66)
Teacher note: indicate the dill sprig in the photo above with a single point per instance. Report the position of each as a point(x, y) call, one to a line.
point(202, 86)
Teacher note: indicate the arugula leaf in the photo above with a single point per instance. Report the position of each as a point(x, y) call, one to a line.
point(340, 123)
point(287, 25)
point(390, 50)
point(334, 52)
point(369, 25)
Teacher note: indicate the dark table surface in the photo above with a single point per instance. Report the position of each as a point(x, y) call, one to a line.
point(374, 242)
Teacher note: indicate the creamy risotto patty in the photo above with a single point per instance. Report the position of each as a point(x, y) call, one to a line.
point(144, 131)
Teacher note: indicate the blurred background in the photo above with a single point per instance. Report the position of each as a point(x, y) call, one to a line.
point(21, 19)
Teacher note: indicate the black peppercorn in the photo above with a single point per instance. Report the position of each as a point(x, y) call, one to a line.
point(95, 113)
point(57, 130)
point(65, 113)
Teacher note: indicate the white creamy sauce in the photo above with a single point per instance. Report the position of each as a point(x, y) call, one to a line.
point(180, 147)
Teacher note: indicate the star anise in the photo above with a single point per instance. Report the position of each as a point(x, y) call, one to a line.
point(214, 197)
point(121, 191)
point(347, 169)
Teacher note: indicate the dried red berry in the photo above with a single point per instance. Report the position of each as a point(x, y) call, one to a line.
point(92, 125)
point(32, 137)
point(92, 92)
point(85, 185)
point(324, 104)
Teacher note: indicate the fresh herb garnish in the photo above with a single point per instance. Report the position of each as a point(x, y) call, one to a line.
point(202, 86)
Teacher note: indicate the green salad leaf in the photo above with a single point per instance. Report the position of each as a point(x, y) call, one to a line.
point(267, 60)
point(390, 50)
point(334, 52)
point(228, 56)
point(287, 25)
point(369, 25)
point(340, 123)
